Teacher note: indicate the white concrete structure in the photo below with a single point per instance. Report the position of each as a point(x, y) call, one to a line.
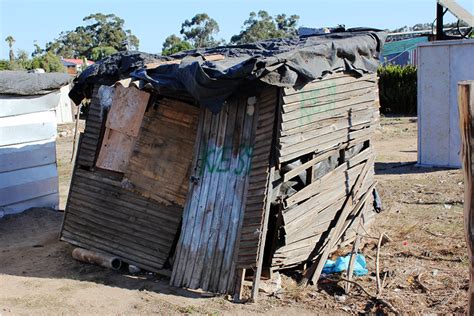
point(28, 173)
point(441, 65)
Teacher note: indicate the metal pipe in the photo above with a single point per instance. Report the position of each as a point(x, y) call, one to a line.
point(439, 22)
point(97, 258)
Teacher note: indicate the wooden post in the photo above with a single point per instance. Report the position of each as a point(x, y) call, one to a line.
point(239, 283)
point(263, 238)
point(466, 123)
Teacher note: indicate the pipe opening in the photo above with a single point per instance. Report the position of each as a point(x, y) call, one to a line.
point(116, 263)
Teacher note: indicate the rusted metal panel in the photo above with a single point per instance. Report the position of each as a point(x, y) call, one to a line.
point(86, 154)
point(102, 215)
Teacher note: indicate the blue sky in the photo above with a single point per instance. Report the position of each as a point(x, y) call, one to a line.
point(153, 21)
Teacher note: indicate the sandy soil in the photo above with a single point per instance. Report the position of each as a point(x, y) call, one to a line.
point(424, 265)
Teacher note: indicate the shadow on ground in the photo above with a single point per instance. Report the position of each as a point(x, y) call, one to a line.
point(30, 247)
point(404, 168)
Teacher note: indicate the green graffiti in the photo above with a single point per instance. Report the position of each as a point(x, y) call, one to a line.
point(219, 160)
point(307, 107)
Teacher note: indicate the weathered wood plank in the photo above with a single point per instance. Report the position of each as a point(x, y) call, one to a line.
point(161, 161)
point(336, 79)
point(331, 89)
point(115, 151)
point(466, 124)
point(127, 110)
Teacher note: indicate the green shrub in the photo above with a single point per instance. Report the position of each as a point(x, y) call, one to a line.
point(397, 89)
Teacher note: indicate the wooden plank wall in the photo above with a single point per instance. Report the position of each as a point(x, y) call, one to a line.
point(326, 126)
point(160, 164)
point(339, 109)
point(205, 256)
point(250, 237)
point(117, 213)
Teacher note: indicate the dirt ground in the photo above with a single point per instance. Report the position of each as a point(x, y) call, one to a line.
point(424, 266)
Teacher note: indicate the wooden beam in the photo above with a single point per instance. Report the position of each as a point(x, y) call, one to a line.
point(466, 122)
point(239, 284)
point(263, 234)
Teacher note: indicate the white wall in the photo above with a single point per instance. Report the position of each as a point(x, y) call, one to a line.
point(63, 109)
point(441, 65)
point(28, 172)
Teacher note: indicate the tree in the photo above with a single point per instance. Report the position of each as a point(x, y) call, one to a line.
point(98, 53)
point(200, 31)
point(4, 65)
point(38, 50)
point(103, 31)
point(22, 61)
point(49, 62)
point(174, 44)
point(262, 26)
point(287, 26)
point(10, 40)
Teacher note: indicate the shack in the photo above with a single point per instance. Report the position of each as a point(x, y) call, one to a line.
point(217, 164)
point(28, 124)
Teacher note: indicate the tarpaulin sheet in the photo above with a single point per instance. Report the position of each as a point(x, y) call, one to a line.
point(287, 62)
point(24, 83)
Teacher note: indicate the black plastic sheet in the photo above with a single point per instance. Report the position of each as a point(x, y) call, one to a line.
point(288, 62)
point(24, 83)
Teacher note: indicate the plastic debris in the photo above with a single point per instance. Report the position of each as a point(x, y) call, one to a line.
point(342, 264)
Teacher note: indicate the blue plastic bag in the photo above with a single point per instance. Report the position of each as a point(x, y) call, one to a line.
point(342, 264)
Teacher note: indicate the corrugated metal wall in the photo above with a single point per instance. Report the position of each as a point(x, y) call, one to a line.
point(28, 173)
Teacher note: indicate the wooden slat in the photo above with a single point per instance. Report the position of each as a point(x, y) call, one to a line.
point(314, 271)
point(312, 188)
point(329, 141)
point(331, 89)
point(336, 79)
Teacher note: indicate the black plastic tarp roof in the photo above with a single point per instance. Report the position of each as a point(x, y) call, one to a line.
point(24, 83)
point(288, 62)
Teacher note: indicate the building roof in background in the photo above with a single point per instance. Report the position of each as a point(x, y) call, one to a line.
point(24, 83)
point(399, 47)
point(75, 61)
